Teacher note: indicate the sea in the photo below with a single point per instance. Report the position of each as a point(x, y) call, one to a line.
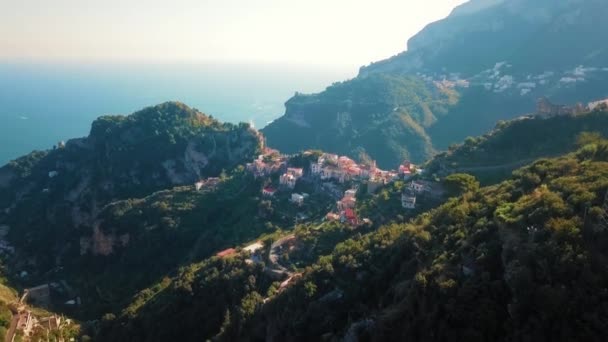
point(44, 103)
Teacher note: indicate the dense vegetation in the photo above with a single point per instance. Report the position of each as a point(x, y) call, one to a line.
point(496, 263)
point(514, 143)
point(173, 228)
point(67, 219)
point(492, 263)
point(520, 260)
point(384, 116)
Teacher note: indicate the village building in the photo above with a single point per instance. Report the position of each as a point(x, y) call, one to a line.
point(407, 170)
point(39, 295)
point(297, 172)
point(226, 253)
point(290, 177)
point(349, 216)
point(297, 199)
point(268, 191)
point(288, 180)
point(332, 216)
point(266, 164)
point(418, 187)
point(53, 174)
point(408, 201)
point(346, 203)
point(315, 168)
point(350, 193)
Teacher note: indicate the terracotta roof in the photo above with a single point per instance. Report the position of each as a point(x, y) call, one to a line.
point(349, 213)
point(226, 252)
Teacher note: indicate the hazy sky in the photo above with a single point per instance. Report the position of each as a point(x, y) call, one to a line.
point(317, 32)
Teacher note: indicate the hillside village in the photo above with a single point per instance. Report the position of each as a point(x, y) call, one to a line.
point(292, 181)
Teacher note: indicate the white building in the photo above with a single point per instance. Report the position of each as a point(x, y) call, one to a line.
point(350, 193)
point(315, 168)
point(297, 199)
point(408, 201)
point(418, 187)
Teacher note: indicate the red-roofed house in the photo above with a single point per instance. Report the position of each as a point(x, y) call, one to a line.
point(349, 216)
point(268, 191)
point(226, 252)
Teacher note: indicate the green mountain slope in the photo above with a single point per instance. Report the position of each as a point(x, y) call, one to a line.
point(74, 211)
point(524, 259)
point(381, 115)
point(498, 263)
point(514, 143)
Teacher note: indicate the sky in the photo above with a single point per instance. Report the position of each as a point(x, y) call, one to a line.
point(311, 32)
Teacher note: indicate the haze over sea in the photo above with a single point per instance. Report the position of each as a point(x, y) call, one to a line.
point(42, 104)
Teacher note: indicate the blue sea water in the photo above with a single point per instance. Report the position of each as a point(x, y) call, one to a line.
point(42, 104)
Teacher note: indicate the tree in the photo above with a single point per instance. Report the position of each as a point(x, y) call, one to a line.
point(459, 183)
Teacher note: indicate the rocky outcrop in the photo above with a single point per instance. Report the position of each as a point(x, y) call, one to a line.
point(101, 243)
point(545, 108)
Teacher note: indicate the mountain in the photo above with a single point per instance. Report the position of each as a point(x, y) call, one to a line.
point(59, 204)
point(493, 263)
point(374, 115)
point(223, 259)
point(494, 58)
point(530, 36)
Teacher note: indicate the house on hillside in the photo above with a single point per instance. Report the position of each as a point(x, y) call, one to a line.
point(346, 202)
point(349, 216)
point(297, 172)
point(418, 187)
point(297, 199)
point(226, 253)
point(350, 193)
point(406, 170)
point(40, 295)
point(315, 168)
point(288, 180)
point(332, 216)
point(290, 177)
point(268, 191)
point(408, 201)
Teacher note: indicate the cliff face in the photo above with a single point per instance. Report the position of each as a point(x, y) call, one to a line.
point(524, 33)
